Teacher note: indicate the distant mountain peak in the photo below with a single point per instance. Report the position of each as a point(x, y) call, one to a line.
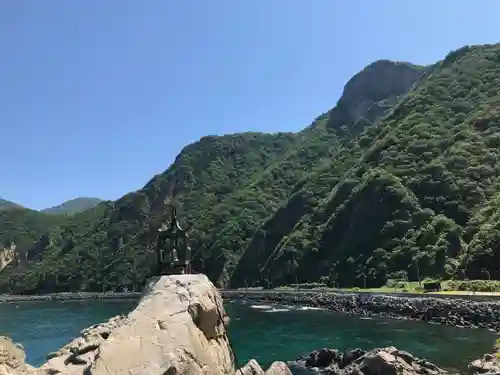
point(378, 81)
point(7, 205)
point(73, 206)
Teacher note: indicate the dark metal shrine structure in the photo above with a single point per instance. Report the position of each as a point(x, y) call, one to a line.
point(173, 251)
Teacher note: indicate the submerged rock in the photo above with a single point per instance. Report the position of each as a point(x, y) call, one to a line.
point(380, 361)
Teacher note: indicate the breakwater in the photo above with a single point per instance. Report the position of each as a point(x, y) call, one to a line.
point(68, 296)
point(455, 311)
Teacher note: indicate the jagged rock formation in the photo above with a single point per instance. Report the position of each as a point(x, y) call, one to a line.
point(379, 361)
point(178, 327)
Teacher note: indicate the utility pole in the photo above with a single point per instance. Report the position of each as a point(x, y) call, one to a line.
point(418, 270)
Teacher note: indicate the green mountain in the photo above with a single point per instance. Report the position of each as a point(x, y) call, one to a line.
point(7, 205)
point(400, 177)
point(73, 206)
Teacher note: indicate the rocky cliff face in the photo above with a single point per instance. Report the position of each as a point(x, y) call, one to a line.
point(372, 92)
point(178, 327)
point(7, 255)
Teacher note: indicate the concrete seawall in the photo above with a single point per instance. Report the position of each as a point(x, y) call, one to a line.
point(69, 297)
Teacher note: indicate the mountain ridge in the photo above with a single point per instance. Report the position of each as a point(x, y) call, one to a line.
point(73, 206)
point(401, 174)
point(7, 205)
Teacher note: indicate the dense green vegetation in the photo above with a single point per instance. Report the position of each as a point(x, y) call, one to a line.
point(27, 230)
point(73, 206)
point(400, 180)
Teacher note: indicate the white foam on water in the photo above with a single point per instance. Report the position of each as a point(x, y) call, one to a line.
point(277, 310)
point(261, 307)
point(304, 308)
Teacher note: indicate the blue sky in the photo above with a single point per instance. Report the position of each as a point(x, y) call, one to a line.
point(98, 96)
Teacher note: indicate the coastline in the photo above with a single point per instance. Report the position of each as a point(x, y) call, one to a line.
point(466, 311)
point(253, 294)
point(6, 298)
point(459, 311)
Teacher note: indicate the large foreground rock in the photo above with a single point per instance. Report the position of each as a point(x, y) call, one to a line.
point(178, 327)
point(12, 358)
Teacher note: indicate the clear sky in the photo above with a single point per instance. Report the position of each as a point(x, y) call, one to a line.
point(98, 96)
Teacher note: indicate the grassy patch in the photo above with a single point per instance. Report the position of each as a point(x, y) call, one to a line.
point(451, 287)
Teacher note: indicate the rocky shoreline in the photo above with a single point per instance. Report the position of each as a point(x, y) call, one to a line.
point(379, 361)
point(449, 311)
point(388, 360)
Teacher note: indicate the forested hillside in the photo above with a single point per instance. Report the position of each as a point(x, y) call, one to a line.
point(402, 174)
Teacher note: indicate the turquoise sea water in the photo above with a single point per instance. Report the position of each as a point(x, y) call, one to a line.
point(266, 333)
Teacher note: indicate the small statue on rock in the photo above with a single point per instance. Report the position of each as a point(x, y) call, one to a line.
point(173, 251)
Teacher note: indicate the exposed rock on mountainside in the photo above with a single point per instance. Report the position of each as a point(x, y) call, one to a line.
point(401, 175)
point(7, 255)
point(178, 327)
point(371, 92)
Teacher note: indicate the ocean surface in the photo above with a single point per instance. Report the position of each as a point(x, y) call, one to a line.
point(266, 333)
